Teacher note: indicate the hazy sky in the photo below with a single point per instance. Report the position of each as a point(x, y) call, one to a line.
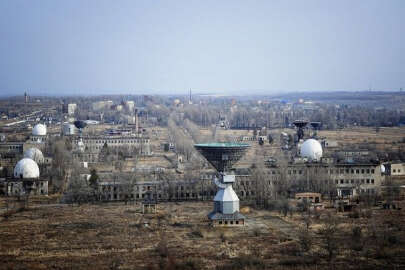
point(241, 47)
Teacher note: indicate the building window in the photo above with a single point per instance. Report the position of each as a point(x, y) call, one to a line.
point(362, 170)
point(357, 171)
point(372, 170)
point(372, 181)
point(394, 170)
point(341, 181)
point(368, 170)
point(368, 181)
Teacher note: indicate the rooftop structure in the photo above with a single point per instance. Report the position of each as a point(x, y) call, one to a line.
point(300, 124)
point(68, 129)
point(315, 126)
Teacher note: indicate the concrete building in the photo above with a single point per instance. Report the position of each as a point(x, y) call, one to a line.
point(68, 129)
point(396, 168)
point(96, 143)
point(7, 148)
point(129, 106)
point(71, 110)
point(101, 105)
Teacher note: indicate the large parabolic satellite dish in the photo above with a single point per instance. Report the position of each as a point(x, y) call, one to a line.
point(222, 155)
point(226, 203)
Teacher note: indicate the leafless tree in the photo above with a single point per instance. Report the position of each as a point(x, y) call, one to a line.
point(329, 237)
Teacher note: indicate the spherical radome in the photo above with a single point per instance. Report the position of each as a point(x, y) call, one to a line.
point(311, 149)
point(35, 154)
point(39, 130)
point(26, 168)
point(382, 168)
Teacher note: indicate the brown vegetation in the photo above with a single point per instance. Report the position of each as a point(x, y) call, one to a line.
point(117, 236)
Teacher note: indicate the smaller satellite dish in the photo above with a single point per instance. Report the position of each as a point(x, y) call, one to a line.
point(80, 124)
point(315, 125)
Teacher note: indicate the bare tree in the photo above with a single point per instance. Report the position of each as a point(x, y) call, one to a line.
point(329, 237)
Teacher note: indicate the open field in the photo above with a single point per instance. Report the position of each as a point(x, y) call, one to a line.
point(365, 134)
point(117, 236)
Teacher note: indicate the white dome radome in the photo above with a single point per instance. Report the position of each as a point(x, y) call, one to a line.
point(35, 154)
point(39, 130)
point(26, 168)
point(382, 168)
point(311, 149)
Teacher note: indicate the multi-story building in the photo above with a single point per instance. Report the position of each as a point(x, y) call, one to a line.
point(7, 148)
point(71, 108)
point(96, 143)
point(342, 180)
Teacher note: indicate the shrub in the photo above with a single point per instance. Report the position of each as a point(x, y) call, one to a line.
point(244, 262)
point(162, 248)
point(305, 240)
point(366, 214)
point(354, 214)
point(392, 239)
point(197, 233)
point(297, 261)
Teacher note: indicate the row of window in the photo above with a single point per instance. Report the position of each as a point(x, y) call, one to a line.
point(226, 222)
point(10, 147)
point(351, 171)
point(355, 181)
point(117, 141)
point(368, 191)
point(334, 171)
point(137, 188)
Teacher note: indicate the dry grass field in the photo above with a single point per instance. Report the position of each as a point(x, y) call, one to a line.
point(118, 236)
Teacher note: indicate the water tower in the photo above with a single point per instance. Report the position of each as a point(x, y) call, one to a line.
point(300, 124)
point(226, 203)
